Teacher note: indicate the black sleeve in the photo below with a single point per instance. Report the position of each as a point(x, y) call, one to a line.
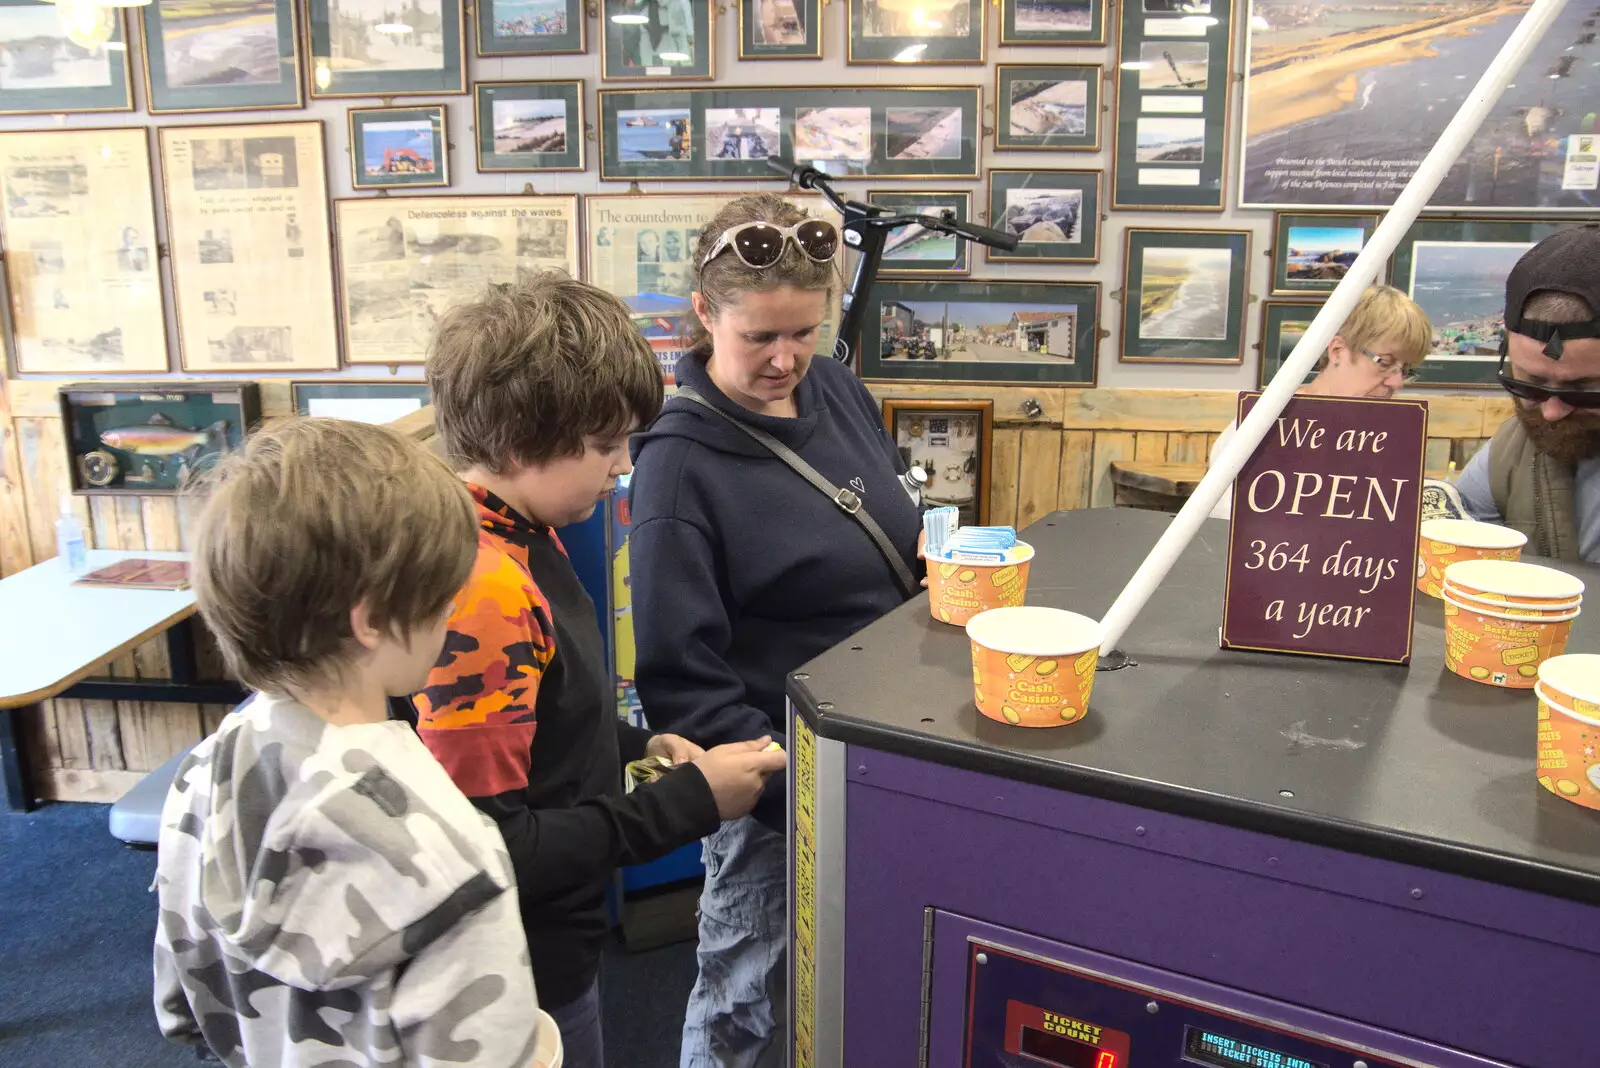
point(631, 741)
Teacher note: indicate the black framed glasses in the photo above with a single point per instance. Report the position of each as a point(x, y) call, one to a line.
point(760, 245)
point(1388, 365)
point(1572, 398)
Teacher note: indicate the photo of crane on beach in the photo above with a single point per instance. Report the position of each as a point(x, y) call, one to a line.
point(1342, 102)
point(1168, 65)
point(1170, 140)
point(1183, 293)
point(653, 134)
point(1462, 287)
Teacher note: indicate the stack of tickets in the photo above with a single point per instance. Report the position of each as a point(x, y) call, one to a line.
point(980, 544)
point(938, 524)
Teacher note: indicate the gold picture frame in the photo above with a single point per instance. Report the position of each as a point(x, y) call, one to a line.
point(957, 437)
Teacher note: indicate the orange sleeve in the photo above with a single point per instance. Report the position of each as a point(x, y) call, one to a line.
point(476, 713)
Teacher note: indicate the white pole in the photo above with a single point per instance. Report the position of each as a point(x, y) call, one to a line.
point(1225, 466)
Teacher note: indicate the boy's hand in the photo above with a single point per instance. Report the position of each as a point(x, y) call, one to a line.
point(922, 545)
point(736, 773)
point(677, 749)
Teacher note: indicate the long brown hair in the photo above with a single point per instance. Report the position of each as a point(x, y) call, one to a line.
point(724, 280)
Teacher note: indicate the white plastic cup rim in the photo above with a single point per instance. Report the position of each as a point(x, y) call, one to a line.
point(1556, 706)
point(1515, 579)
point(1022, 558)
point(1577, 674)
point(1479, 609)
point(1032, 630)
point(1471, 534)
point(1504, 602)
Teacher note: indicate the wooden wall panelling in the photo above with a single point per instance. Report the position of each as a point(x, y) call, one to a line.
point(1436, 455)
point(1039, 478)
point(100, 717)
point(1108, 446)
point(1149, 409)
point(1150, 446)
point(1465, 449)
point(153, 732)
point(1004, 469)
point(1187, 448)
point(1008, 400)
point(16, 547)
point(1077, 469)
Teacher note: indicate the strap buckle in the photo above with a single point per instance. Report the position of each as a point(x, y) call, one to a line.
point(847, 500)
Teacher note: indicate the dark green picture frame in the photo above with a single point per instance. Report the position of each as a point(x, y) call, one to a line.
point(364, 151)
point(302, 394)
point(861, 127)
point(808, 15)
point(622, 42)
point(1031, 210)
point(1159, 305)
point(573, 39)
point(1281, 319)
point(1061, 138)
point(201, 91)
point(1322, 264)
point(1040, 308)
point(1159, 128)
point(927, 264)
point(570, 157)
point(329, 80)
point(914, 49)
point(1052, 22)
point(35, 17)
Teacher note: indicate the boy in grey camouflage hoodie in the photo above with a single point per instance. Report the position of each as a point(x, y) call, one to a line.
point(327, 895)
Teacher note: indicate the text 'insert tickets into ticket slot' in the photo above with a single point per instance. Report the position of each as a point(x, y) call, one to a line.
point(1322, 552)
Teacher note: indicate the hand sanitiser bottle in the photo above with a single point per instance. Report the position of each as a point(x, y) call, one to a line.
point(70, 544)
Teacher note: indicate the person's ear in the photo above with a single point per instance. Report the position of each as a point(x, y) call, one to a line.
point(1338, 351)
point(702, 308)
point(361, 628)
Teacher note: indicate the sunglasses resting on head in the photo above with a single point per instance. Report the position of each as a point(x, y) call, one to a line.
point(760, 245)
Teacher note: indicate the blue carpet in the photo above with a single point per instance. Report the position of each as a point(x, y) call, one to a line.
point(76, 922)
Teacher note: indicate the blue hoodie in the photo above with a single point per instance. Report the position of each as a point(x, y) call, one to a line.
point(741, 570)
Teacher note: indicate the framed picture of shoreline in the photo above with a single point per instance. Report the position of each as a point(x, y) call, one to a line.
point(1283, 324)
point(1171, 131)
point(1184, 294)
point(982, 332)
point(1312, 251)
point(358, 48)
point(399, 147)
point(914, 251)
point(1052, 108)
point(658, 40)
point(83, 279)
point(1338, 105)
point(45, 73)
point(1456, 269)
point(780, 29)
point(901, 32)
point(682, 134)
point(531, 27)
point(221, 55)
point(529, 126)
point(1055, 215)
point(362, 401)
point(1052, 22)
point(951, 440)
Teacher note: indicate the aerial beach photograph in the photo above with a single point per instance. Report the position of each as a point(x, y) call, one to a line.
point(1183, 293)
point(1042, 108)
point(1170, 140)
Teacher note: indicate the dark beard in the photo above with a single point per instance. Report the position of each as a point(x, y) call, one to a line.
point(1577, 437)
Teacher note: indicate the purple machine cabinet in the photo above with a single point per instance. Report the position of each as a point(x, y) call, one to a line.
point(1235, 861)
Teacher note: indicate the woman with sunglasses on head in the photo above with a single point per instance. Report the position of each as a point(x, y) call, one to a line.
point(742, 570)
point(1373, 355)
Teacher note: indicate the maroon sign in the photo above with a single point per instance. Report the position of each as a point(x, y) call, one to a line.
point(1322, 554)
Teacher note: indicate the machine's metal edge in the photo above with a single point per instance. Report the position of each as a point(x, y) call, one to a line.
point(830, 903)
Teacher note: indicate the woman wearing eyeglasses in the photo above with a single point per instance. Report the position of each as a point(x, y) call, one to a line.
point(742, 570)
point(1373, 355)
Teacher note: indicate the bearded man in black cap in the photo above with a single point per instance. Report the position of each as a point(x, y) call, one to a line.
point(1541, 472)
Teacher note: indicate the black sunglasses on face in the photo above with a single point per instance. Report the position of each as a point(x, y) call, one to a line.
point(1573, 398)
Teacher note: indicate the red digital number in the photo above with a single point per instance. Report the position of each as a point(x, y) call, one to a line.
point(1107, 1059)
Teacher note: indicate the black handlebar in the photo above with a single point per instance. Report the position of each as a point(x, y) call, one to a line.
point(859, 216)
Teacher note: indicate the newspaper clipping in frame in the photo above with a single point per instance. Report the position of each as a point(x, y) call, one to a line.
point(247, 211)
point(405, 261)
point(79, 221)
point(642, 249)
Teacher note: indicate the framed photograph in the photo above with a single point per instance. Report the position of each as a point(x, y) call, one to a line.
point(529, 126)
point(913, 251)
point(952, 441)
point(221, 55)
point(1054, 108)
point(394, 147)
point(1052, 22)
point(381, 401)
point(1390, 79)
point(1456, 270)
point(45, 73)
point(405, 261)
point(885, 31)
point(83, 279)
point(148, 438)
point(682, 134)
point(658, 40)
point(1184, 294)
point(1055, 215)
point(358, 49)
point(1313, 251)
point(1171, 125)
point(1283, 324)
point(531, 27)
point(993, 332)
point(780, 29)
point(252, 272)
point(642, 248)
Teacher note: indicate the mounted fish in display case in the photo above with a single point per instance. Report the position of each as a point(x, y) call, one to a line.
point(149, 438)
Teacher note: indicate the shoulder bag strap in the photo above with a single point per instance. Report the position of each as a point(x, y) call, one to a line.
point(847, 500)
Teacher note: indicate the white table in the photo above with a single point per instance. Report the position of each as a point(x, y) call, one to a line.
point(53, 634)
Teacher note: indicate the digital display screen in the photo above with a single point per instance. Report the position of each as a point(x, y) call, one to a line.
point(1067, 1052)
point(1208, 1047)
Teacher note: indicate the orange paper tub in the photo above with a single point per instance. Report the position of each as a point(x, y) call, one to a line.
point(1528, 585)
point(1569, 751)
point(959, 590)
point(1573, 680)
point(1443, 542)
point(1499, 649)
point(1033, 667)
point(1495, 602)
